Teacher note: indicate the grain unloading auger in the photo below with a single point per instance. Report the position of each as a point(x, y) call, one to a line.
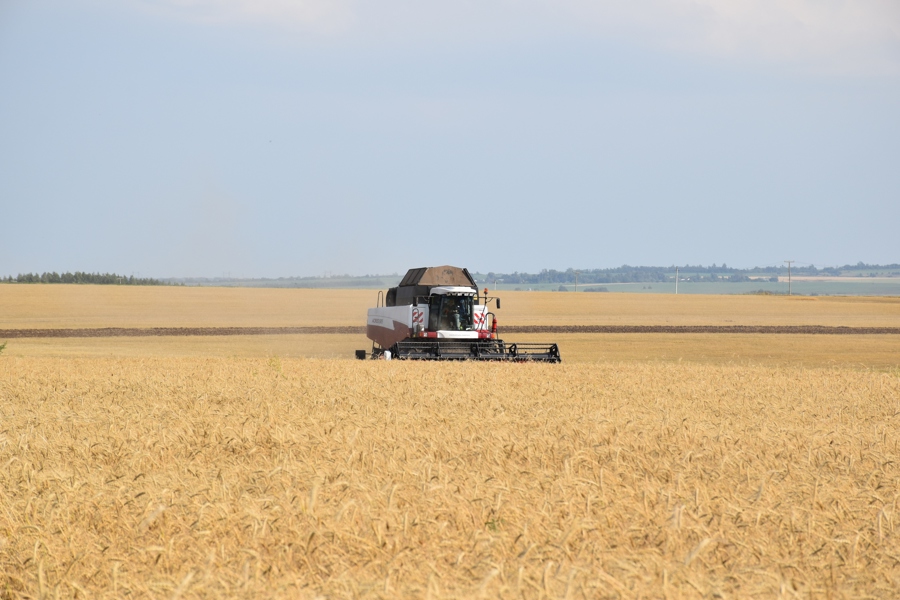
point(437, 313)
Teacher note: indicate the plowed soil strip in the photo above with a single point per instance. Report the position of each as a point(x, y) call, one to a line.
point(171, 331)
point(219, 331)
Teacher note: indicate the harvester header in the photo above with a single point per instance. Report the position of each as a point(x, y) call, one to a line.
point(437, 313)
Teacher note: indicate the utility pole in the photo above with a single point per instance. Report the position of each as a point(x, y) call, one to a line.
point(576, 281)
point(789, 275)
point(676, 281)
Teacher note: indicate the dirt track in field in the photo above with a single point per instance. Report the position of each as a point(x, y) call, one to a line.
point(220, 331)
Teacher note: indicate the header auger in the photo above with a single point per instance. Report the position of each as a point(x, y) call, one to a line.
point(437, 313)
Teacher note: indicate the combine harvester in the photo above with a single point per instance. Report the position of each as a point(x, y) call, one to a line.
point(436, 313)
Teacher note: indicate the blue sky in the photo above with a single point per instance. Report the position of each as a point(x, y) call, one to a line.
point(276, 138)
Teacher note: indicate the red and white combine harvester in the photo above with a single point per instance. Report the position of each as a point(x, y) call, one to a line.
point(436, 313)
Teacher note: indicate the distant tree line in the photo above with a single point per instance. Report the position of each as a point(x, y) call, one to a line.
point(624, 274)
point(80, 277)
point(713, 272)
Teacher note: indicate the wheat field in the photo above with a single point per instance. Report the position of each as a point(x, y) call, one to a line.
point(645, 466)
point(851, 351)
point(342, 479)
point(83, 306)
point(87, 306)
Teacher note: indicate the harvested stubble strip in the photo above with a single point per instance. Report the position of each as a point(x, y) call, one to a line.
point(298, 478)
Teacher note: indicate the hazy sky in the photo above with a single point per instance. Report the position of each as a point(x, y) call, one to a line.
point(267, 138)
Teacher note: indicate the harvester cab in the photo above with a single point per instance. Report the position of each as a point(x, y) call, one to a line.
point(436, 313)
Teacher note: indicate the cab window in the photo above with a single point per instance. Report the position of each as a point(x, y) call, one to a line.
point(451, 313)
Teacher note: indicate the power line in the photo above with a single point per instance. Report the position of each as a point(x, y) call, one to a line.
point(789, 275)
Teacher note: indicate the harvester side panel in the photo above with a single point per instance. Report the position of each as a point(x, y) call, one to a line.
point(387, 325)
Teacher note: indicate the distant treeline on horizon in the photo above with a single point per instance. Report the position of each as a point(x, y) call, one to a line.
point(724, 273)
point(80, 277)
point(623, 274)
